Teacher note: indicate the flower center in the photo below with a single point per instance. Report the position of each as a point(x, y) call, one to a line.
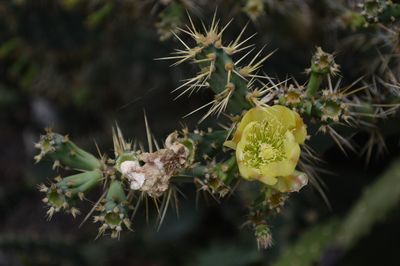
point(264, 144)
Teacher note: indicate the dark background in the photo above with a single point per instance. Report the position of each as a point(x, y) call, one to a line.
point(63, 66)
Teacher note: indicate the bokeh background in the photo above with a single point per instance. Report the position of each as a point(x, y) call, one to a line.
point(81, 66)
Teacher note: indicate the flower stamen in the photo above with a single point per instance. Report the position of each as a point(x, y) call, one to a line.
point(265, 144)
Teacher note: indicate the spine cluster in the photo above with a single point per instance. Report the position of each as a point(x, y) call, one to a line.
point(269, 118)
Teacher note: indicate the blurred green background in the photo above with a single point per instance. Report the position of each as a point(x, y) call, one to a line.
point(80, 66)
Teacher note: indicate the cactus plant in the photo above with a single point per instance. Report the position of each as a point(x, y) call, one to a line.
point(265, 141)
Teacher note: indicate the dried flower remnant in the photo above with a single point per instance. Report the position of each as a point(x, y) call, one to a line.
point(130, 170)
point(157, 168)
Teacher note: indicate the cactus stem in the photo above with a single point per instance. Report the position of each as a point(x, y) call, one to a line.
point(314, 84)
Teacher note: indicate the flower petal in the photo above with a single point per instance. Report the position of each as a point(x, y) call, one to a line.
point(289, 119)
point(246, 172)
point(300, 131)
point(253, 115)
point(292, 121)
point(285, 123)
point(285, 167)
point(292, 183)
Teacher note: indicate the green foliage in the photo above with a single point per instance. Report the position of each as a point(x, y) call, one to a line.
point(380, 11)
point(225, 255)
point(376, 203)
point(79, 65)
point(97, 17)
point(309, 247)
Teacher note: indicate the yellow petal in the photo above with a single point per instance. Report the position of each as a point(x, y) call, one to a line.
point(300, 131)
point(251, 173)
point(285, 123)
point(246, 172)
point(253, 115)
point(285, 167)
point(268, 180)
point(289, 119)
point(292, 183)
point(230, 144)
point(286, 116)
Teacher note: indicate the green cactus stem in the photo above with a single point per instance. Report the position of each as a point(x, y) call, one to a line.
point(219, 70)
point(259, 211)
point(63, 194)
point(219, 177)
point(65, 152)
point(113, 211)
point(225, 171)
point(382, 11)
point(207, 143)
point(322, 64)
point(314, 84)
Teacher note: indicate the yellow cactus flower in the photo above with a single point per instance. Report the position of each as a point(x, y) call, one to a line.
point(267, 143)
